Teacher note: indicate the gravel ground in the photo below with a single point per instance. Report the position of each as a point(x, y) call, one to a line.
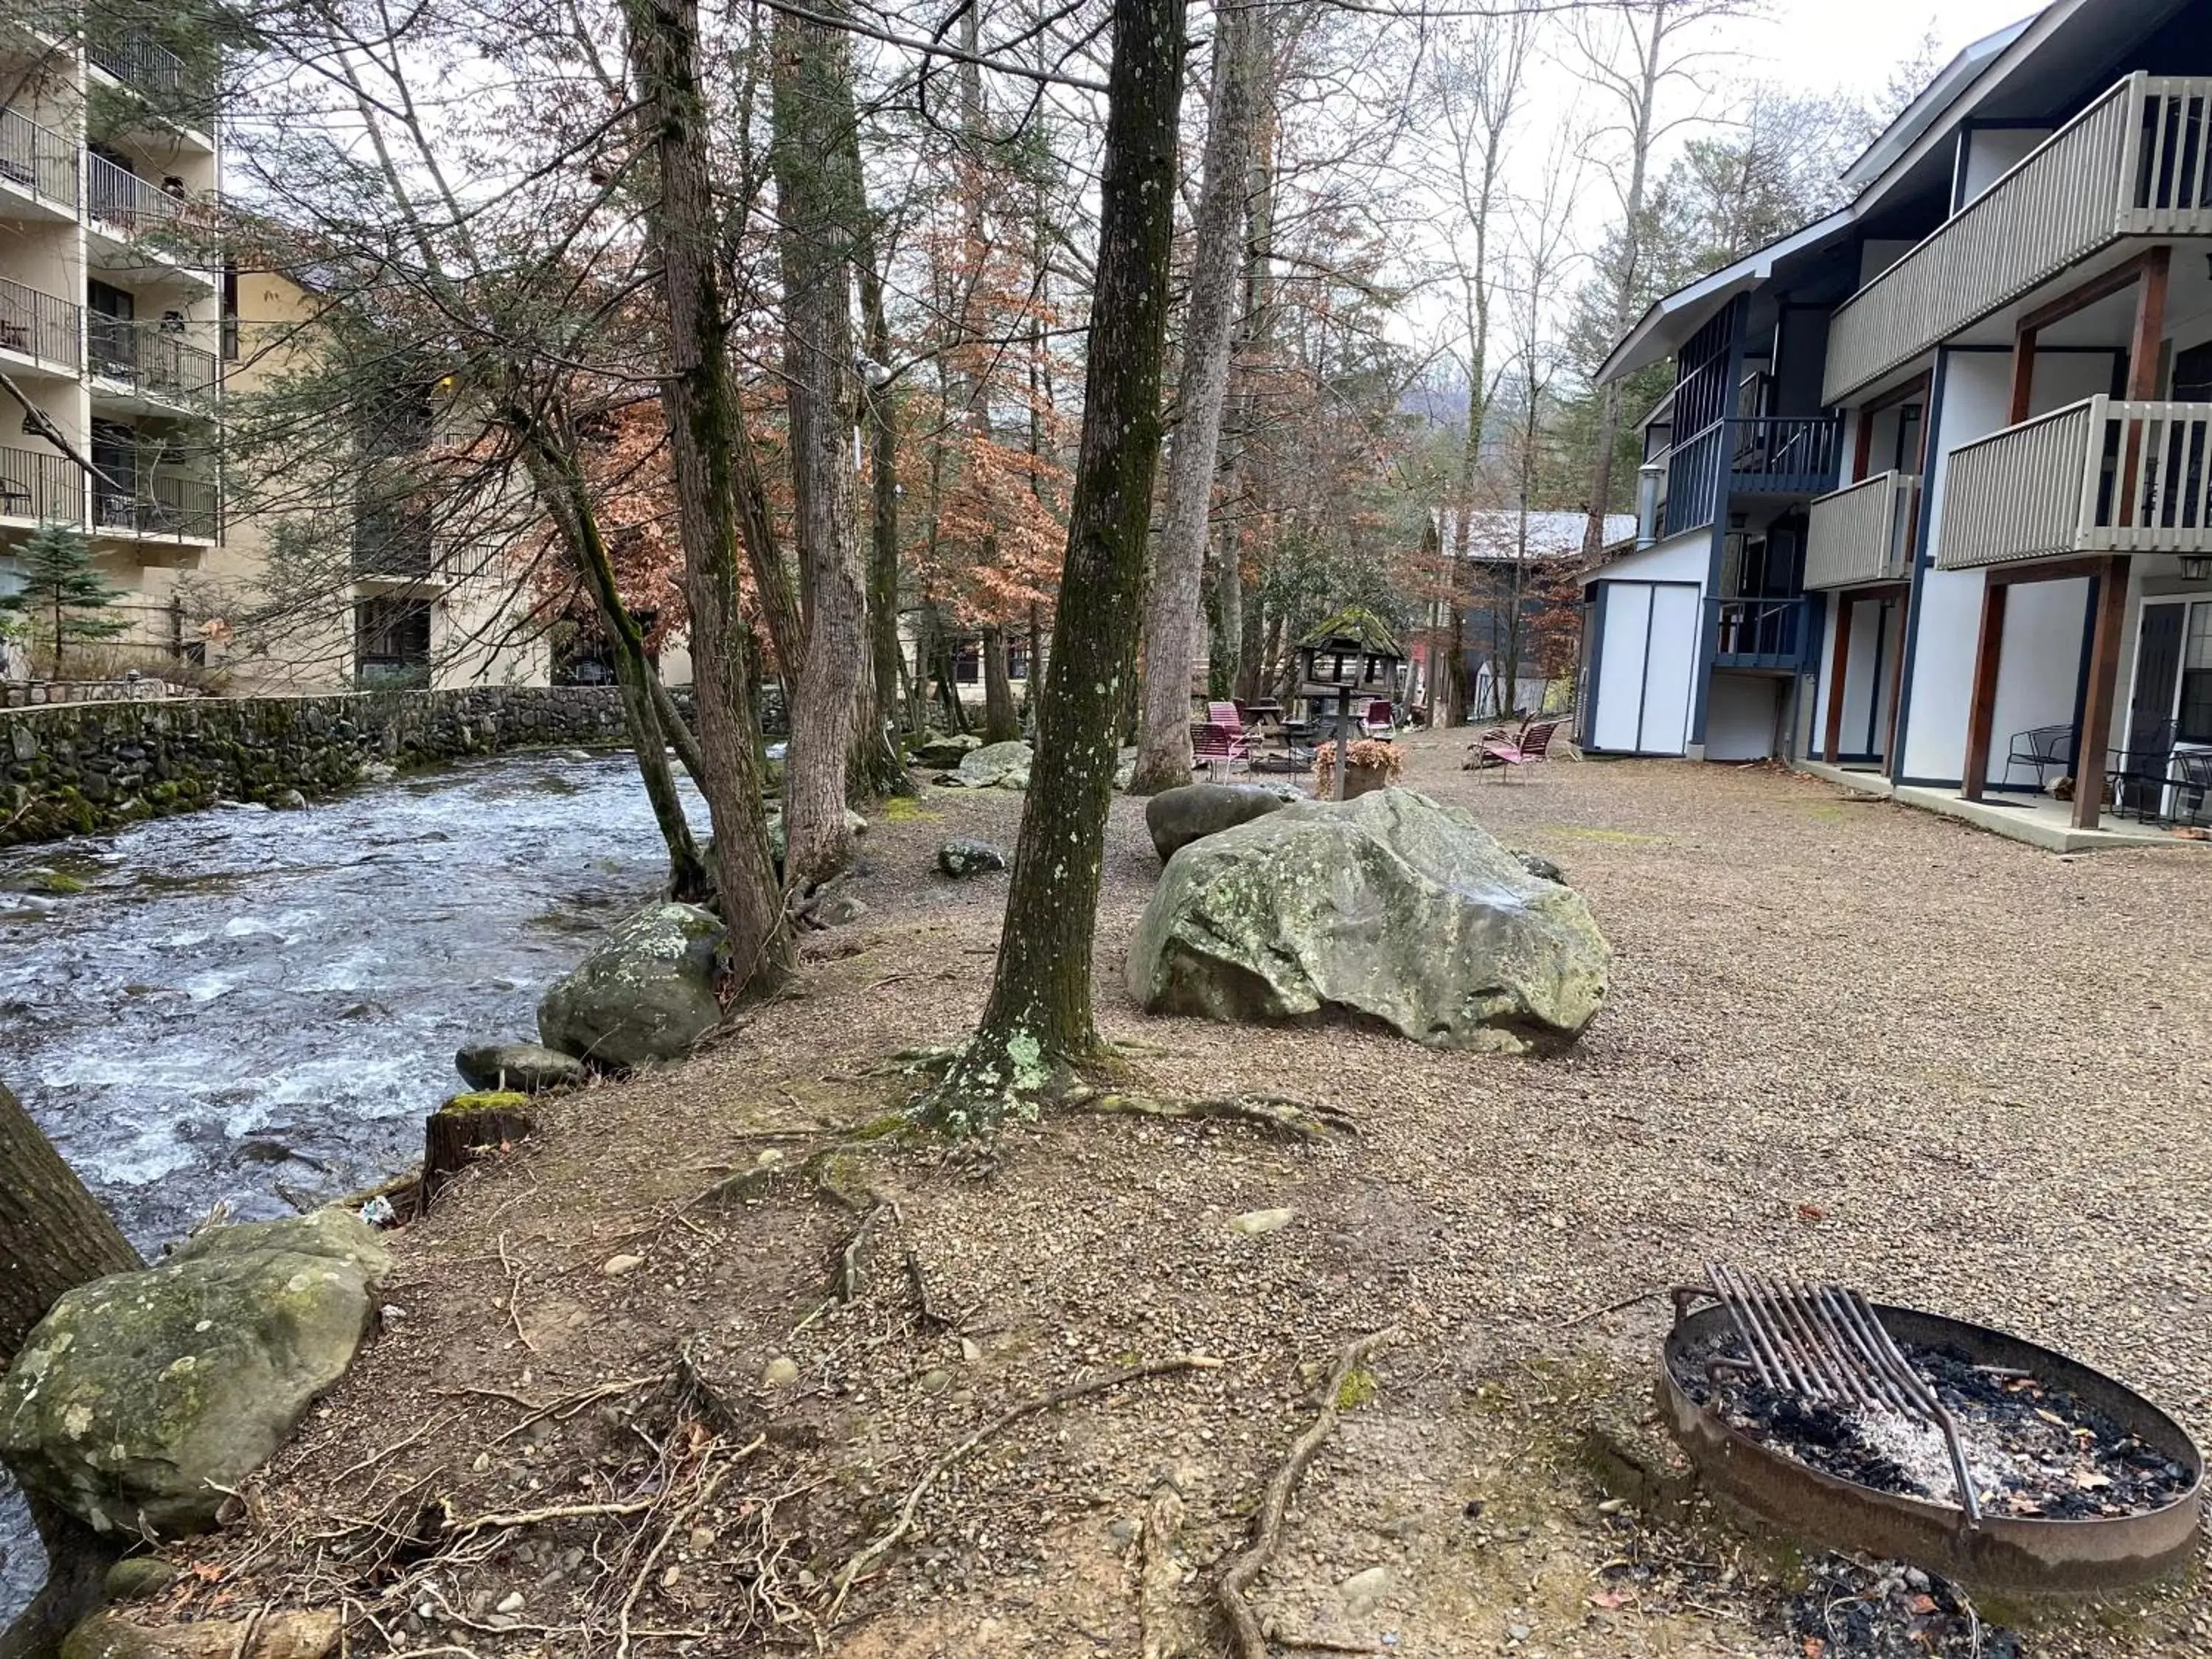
point(1848, 1038)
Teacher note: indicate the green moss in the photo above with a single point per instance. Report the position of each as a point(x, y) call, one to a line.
point(905, 809)
point(56, 882)
point(490, 1100)
point(1358, 1389)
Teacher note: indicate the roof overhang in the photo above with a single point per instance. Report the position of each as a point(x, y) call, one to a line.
point(1667, 325)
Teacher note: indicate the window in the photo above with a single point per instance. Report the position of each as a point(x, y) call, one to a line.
point(230, 313)
point(2195, 723)
point(392, 638)
point(1909, 429)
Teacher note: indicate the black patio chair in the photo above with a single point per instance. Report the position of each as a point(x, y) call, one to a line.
point(2044, 749)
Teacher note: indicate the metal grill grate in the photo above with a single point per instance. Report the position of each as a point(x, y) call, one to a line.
point(1824, 1343)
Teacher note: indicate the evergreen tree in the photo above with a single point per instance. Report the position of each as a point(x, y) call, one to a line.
point(62, 593)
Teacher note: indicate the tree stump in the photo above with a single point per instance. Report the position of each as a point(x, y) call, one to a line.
point(464, 1126)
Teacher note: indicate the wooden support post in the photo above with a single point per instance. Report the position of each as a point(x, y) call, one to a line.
point(1838, 671)
point(2150, 324)
point(1981, 711)
point(2096, 706)
point(2023, 376)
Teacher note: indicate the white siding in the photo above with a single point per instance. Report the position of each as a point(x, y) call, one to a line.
point(1740, 716)
point(1991, 154)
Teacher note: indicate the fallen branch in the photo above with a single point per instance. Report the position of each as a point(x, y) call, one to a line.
point(1611, 1307)
point(1250, 1641)
point(1160, 1575)
point(1273, 1114)
point(554, 1512)
point(876, 1548)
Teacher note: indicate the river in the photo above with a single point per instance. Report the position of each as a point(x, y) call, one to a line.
point(255, 1009)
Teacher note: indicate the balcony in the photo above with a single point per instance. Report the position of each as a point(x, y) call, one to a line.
point(41, 327)
point(1764, 455)
point(125, 203)
point(171, 86)
point(36, 160)
point(2102, 475)
point(37, 488)
point(2133, 164)
point(1760, 634)
point(394, 543)
point(149, 360)
point(1864, 534)
point(155, 507)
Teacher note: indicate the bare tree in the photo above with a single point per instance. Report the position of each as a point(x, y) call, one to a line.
point(1038, 1024)
point(1241, 63)
point(1634, 53)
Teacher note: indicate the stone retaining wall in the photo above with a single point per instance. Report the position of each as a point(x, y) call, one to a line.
point(78, 768)
point(33, 694)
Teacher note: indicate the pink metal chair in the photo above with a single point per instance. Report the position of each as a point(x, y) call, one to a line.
point(1380, 720)
point(1533, 744)
point(1218, 747)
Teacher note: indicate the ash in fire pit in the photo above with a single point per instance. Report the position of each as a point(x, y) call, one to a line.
point(2031, 1448)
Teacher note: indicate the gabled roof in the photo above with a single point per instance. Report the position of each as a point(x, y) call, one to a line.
point(1663, 330)
point(1357, 623)
point(2014, 72)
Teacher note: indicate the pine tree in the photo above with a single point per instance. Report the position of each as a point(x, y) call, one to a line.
point(62, 593)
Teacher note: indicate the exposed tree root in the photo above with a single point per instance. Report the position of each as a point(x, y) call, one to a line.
point(1251, 1642)
point(1273, 1115)
point(877, 1548)
point(1160, 1575)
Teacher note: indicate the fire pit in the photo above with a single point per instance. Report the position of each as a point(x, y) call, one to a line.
point(1852, 1422)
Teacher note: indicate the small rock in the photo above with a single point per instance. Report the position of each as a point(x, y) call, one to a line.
point(480, 1463)
point(527, 1069)
point(510, 1602)
point(1542, 867)
point(1123, 1533)
point(1254, 1222)
point(1365, 1588)
point(936, 1381)
point(138, 1577)
point(701, 1540)
point(779, 1372)
point(840, 911)
point(1519, 1632)
point(288, 800)
point(616, 1266)
point(962, 857)
point(970, 1349)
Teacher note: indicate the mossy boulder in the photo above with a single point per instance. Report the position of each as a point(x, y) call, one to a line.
point(529, 1069)
point(646, 994)
point(1177, 817)
point(309, 1634)
point(1391, 908)
point(962, 857)
point(940, 749)
point(994, 766)
point(140, 1397)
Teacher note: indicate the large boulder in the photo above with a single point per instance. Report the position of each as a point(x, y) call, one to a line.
point(140, 1397)
point(528, 1068)
point(942, 750)
point(1177, 817)
point(647, 993)
point(994, 766)
point(1389, 907)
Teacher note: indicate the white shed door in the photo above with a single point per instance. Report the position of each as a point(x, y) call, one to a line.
point(1646, 668)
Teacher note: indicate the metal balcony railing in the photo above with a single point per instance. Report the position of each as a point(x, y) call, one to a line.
point(1863, 533)
point(2102, 475)
point(37, 159)
point(41, 488)
point(1783, 454)
point(394, 543)
point(1759, 633)
point(2134, 163)
point(148, 358)
point(157, 505)
point(40, 326)
point(174, 87)
point(120, 199)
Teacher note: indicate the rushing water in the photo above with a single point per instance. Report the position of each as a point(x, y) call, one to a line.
point(257, 1008)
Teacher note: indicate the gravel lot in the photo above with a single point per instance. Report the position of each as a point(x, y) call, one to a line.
point(1844, 1037)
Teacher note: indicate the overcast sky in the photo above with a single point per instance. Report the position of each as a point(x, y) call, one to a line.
point(1854, 43)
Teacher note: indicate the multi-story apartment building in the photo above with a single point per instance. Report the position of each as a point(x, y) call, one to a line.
point(109, 337)
point(1932, 495)
point(118, 343)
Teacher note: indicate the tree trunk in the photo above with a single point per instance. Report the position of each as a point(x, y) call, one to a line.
point(54, 1236)
point(1171, 616)
point(883, 519)
point(819, 209)
point(561, 485)
point(1251, 641)
point(1001, 723)
point(1039, 1021)
point(705, 430)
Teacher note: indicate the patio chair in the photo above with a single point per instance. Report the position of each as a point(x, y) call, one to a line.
point(2043, 749)
point(1479, 758)
point(1219, 748)
point(1380, 720)
point(1533, 744)
point(2190, 775)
